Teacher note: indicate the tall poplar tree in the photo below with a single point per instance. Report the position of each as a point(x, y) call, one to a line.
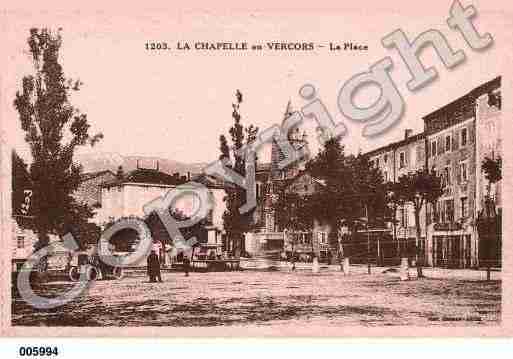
point(54, 129)
point(236, 223)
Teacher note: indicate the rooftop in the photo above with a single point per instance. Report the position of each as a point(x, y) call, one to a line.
point(397, 144)
point(147, 175)
point(471, 96)
point(90, 175)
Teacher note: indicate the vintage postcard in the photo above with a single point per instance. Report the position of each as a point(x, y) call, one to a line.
point(271, 170)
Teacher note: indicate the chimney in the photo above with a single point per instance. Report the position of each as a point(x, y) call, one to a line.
point(137, 164)
point(407, 133)
point(188, 176)
point(157, 165)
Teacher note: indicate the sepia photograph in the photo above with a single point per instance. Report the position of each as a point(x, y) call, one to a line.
point(256, 173)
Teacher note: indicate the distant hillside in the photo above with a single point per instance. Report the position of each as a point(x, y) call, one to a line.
point(93, 162)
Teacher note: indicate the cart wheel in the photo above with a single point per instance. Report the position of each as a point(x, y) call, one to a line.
point(117, 273)
point(74, 274)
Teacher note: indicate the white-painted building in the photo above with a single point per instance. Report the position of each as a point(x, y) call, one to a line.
point(127, 197)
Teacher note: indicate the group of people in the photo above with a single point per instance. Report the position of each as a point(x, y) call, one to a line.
point(153, 266)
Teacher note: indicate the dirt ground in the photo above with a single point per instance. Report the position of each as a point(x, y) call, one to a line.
point(271, 298)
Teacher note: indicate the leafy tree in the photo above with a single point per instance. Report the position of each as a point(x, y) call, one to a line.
point(236, 223)
point(331, 203)
point(293, 214)
point(493, 170)
point(369, 188)
point(394, 200)
point(353, 190)
point(489, 222)
point(418, 188)
point(54, 129)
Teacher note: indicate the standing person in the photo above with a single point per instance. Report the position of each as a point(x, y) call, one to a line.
point(186, 265)
point(154, 267)
point(156, 246)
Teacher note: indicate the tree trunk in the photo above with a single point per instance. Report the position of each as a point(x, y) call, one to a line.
point(394, 234)
point(242, 245)
point(341, 252)
point(43, 240)
point(418, 254)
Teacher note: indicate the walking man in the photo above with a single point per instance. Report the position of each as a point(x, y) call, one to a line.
point(154, 267)
point(186, 265)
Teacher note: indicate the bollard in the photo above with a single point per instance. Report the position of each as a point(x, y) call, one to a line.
point(315, 265)
point(345, 266)
point(404, 273)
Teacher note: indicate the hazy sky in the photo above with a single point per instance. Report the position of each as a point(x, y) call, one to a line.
point(176, 104)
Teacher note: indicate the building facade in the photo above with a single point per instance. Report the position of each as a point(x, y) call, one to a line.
point(395, 160)
point(127, 196)
point(459, 136)
point(456, 139)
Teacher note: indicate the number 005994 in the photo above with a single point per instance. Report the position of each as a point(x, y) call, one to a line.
point(38, 351)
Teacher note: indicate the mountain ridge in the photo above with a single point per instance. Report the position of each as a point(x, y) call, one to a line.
point(100, 161)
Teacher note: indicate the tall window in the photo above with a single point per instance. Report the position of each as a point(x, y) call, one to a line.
point(446, 180)
point(385, 158)
point(269, 222)
point(402, 160)
point(463, 137)
point(433, 148)
point(404, 217)
point(463, 171)
point(448, 143)
point(449, 210)
point(322, 237)
point(464, 207)
point(439, 146)
point(441, 211)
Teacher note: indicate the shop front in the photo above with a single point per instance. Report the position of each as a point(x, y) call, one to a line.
point(452, 246)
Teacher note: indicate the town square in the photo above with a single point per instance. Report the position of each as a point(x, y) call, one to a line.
point(288, 298)
point(197, 198)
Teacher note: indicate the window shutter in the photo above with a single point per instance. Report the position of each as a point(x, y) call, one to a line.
point(455, 141)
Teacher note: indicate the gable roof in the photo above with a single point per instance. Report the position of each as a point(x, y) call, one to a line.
point(90, 175)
